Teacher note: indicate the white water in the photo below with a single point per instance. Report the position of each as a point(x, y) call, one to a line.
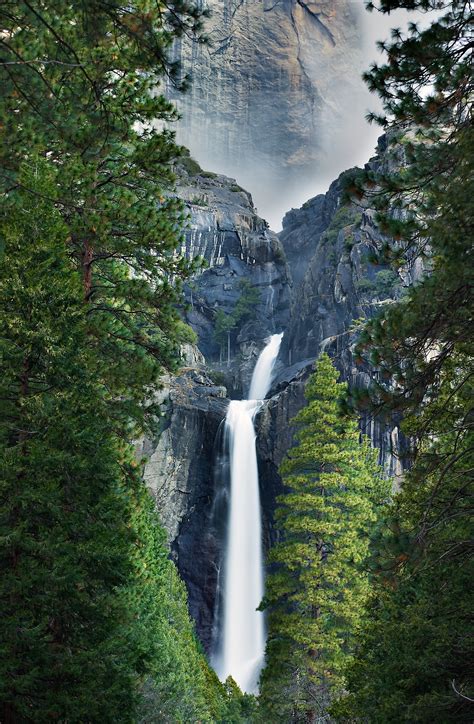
point(242, 638)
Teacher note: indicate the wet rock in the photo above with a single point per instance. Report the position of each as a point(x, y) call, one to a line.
point(238, 248)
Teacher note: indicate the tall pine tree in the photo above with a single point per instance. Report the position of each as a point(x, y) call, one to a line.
point(413, 662)
point(318, 587)
point(80, 85)
point(64, 515)
point(93, 615)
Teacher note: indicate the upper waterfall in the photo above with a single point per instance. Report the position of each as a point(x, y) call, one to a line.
point(262, 374)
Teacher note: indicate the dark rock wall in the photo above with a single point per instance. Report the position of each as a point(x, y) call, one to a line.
point(237, 245)
point(315, 282)
point(180, 473)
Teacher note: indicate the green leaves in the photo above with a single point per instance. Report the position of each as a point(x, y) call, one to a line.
point(83, 95)
point(244, 309)
point(405, 664)
point(317, 587)
point(94, 620)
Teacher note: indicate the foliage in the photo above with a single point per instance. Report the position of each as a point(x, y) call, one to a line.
point(318, 586)
point(244, 309)
point(179, 685)
point(64, 514)
point(346, 215)
point(78, 81)
point(365, 285)
point(415, 650)
point(93, 612)
point(94, 618)
point(189, 164)
point(419, 670)
point(386, 281)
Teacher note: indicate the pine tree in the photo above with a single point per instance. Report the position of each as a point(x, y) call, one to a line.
point(64, 514)
point(90, 281)
point(79, 86)
point(318, 587)
point(419, 669)
point(414, 655)
point(94, 623)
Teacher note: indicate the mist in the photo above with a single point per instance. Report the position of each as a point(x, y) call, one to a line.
point(277, 101)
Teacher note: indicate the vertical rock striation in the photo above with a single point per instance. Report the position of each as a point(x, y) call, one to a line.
point(314, 280)
point(271, 91)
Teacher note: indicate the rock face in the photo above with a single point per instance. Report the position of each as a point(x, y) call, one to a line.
point(329, 246)
point(241, 252)
point(180, 474)
point(184, 470)
point(270, 91)
point(314, 282)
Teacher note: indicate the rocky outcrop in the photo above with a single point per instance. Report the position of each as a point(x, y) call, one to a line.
point(180, 474)
point(241, 254)
point(328, 245)
point(184, 470)
point(340, 288)
point(271, 91)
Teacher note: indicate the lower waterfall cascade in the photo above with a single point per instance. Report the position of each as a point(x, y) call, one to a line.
point(240, 645)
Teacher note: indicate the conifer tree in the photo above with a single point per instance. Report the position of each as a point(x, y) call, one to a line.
point(94, 623)
point(419, 669)
point(63, 515)
point(318, 586)
point(79, 85)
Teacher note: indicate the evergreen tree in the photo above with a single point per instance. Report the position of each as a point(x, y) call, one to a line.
point(226, 325)
point(79, 85)
point(414, 655)
point(420, 668)
point(64, 516)
point(317, 589)
point(94, 623)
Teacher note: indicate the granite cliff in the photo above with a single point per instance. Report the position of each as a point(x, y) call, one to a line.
point(313, 281)
point(271, 92)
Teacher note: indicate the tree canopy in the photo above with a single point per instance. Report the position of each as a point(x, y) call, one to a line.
point(317, 587)
point(94, 623)
point(422, 349)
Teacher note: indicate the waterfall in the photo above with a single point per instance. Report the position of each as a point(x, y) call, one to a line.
point(241, 643)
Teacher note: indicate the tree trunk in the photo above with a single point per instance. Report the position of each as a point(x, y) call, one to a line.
point(87, 256)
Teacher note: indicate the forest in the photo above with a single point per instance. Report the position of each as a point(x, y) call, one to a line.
point(366, 612)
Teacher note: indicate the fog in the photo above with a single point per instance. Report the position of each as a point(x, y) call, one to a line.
point(278, 101)
point(353, 140)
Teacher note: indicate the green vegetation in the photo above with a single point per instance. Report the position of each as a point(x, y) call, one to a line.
point(386, 283)
point(229, 324)
point(189, 164)
point(413, 662)
point(368, 602)
point(318, 587)
point(94, 622)
point(217, 377)
point(199, 201)
point(345, 216)
point(365, 285)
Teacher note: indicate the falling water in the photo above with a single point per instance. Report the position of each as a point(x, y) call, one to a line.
point(242, 637)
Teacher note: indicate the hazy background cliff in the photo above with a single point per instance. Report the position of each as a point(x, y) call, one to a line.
point(277, 99)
